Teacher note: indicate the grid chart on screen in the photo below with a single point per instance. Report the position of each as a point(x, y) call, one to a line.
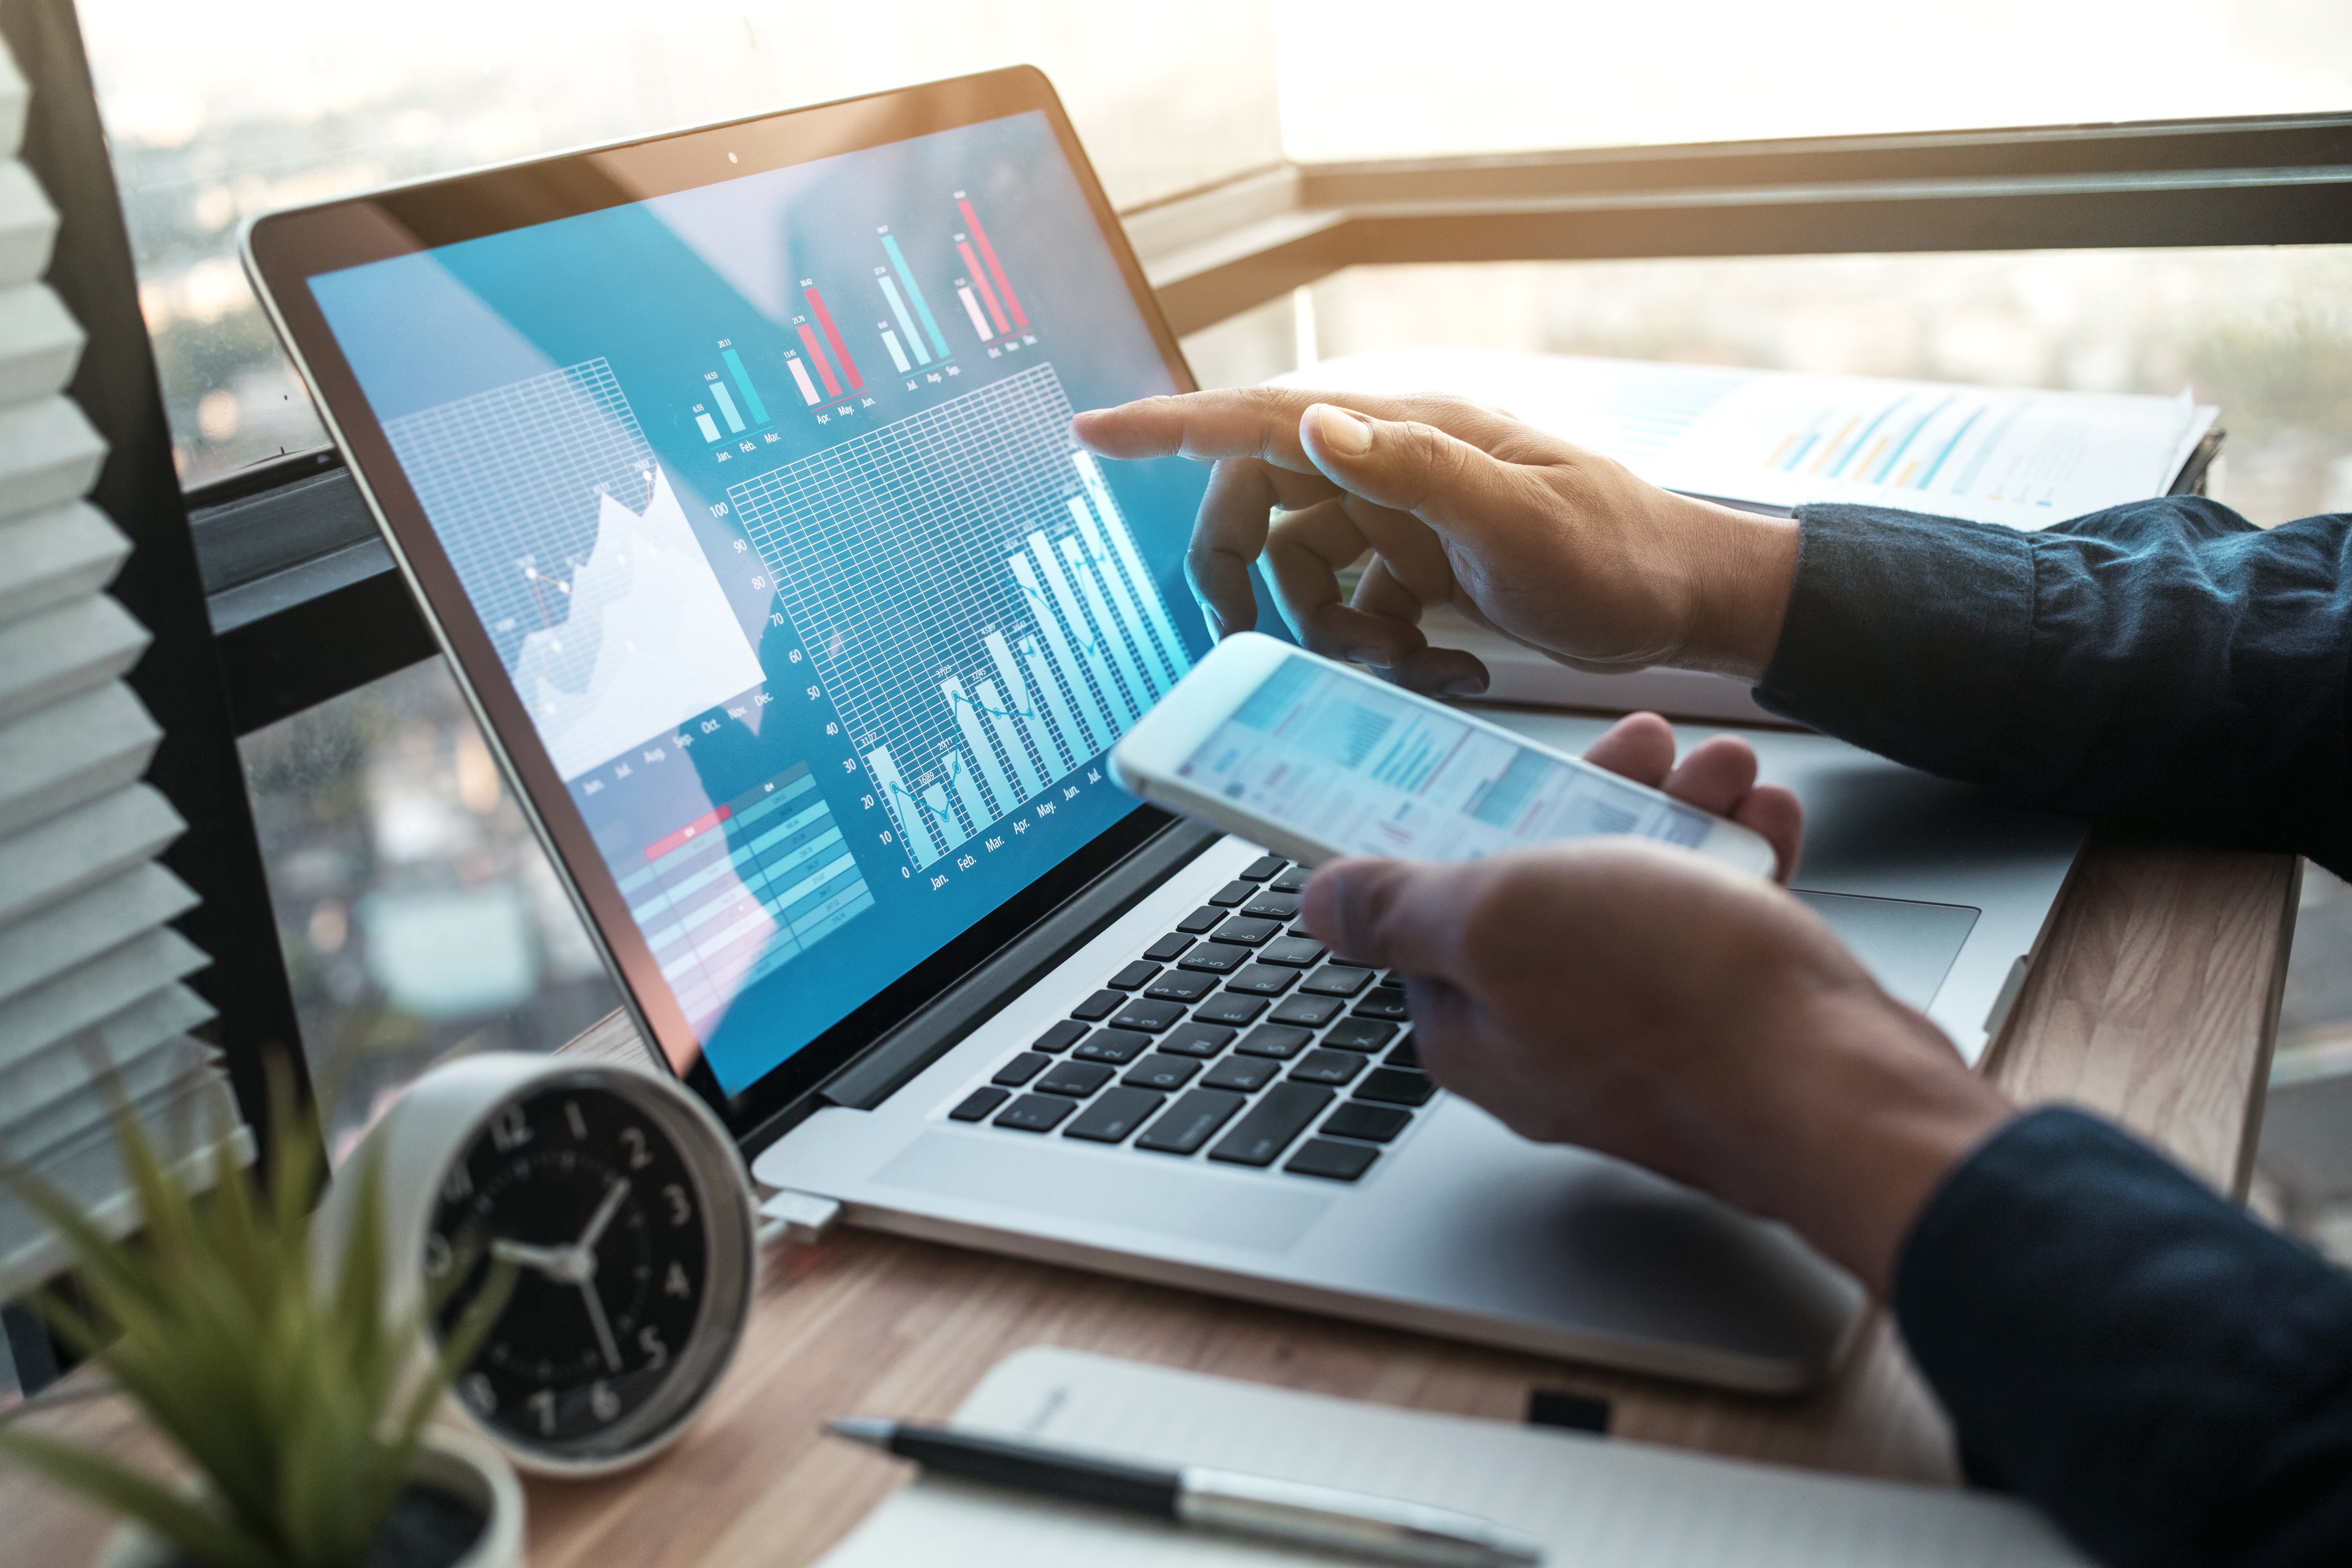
point(972, 598)
point(511, 479)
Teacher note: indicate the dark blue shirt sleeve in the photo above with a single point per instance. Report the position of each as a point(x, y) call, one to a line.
point(2164, 660)
point(2170, 1381)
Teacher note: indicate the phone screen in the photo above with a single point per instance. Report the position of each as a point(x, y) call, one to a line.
point(1376, 772)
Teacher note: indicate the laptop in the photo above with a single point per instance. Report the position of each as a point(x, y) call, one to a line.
point(731, 467)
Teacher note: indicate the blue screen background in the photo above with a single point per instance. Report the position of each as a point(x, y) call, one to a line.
point(528, 379)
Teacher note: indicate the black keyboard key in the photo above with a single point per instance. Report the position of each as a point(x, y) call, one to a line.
point(1321, 1067)
point(1360, 1034)
point(1117, 1046)
point(1291, 881)
point(1263, 980)
point(1233, 893)
point(1229, 1008)
point(1196, 1039)
point(1292, 952)
point(1076, 1079)
point(980, 1101)
point(1181, 985)
point(1036, 1113)
point(1152, 1016)
point(1337, 980)
point(1185, 1126)
point(1383, 1003)
point(1060, 1038)
point(1280, 1115)
point(1168, 948)
point(1200, 921)
point(1021, 1068)
point(1133, 977)
point(1259, 870)
point(1248, 932)
point(1406, 1054)
point(1118, 1113)
point(1394, 1085)
point(1308, 1012)
point(1098, 1006)
point(1215, 958)
point(1159, 1071)
point(1332, 1159)
point(1274, 1040)
point(1272, 907)
point(1246, 1074)
point(1372, 1123)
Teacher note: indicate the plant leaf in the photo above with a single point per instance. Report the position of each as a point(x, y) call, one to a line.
point(200, 1534)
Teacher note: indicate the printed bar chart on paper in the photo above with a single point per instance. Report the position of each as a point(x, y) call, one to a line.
point(733, 896)
point(2015, 455)
point(565, 532)
point(972, 598)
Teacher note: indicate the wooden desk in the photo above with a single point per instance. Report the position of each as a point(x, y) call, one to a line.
point(2155, 1000)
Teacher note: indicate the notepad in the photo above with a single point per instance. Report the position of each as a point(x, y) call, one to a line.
point(1596, 1502)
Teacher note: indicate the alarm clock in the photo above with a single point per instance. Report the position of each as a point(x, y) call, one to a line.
point(621, 1205)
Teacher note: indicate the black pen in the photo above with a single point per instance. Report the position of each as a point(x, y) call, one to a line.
point(1222, 1500)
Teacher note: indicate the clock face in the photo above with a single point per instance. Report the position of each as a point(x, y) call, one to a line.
point(593, 1204)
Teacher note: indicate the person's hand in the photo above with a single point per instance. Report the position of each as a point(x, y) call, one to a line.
point(1653, 1005)
point(1719, 775)
point(1557, 547)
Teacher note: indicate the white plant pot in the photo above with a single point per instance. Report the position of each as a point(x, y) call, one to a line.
point(450, 1461)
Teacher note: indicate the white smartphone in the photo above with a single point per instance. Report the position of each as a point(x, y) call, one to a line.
point(1316, 759)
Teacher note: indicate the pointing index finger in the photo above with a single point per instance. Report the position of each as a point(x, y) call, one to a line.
point(1259, 422)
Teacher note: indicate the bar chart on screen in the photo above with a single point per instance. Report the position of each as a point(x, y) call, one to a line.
point(972, 596)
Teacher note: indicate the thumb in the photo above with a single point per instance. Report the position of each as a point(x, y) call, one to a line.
point(1390, 914)
point(1409, 467)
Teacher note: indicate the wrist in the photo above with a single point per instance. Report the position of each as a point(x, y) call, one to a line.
point(1742, 567)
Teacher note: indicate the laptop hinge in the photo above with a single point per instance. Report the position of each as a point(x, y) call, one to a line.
point(877, 1072)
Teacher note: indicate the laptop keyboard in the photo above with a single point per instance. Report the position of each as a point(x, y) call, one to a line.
point(1235, 1039)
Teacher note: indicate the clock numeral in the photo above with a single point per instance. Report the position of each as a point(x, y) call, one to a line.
point(634, 1137)
point(649, 1341)
point(475, 1390)
point(510, 1130)
point(676, 1283)
point(542, 1404)
point(579, 1123)
point(602, 1402)
point(438, 1256)
point(680, 1210)
point(458, 1186)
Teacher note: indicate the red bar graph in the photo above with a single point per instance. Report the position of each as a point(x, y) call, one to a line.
point(987, 295)
point(816, 358)
point(840, 350)
point(1003, 284)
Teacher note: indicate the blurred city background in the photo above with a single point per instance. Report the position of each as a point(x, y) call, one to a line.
point(418, 915)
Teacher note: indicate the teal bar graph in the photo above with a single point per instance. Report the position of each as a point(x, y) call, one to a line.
point(743, 382)
point(915, 292)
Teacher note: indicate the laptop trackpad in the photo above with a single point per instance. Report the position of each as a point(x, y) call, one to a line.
point(1134, 1191)
point(1908, 946)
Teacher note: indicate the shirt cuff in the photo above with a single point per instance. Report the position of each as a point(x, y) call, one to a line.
point(1893, 615)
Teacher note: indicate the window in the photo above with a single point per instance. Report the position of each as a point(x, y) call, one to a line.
point(218, 112)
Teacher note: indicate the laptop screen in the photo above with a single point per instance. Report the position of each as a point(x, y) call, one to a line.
point(764, 493)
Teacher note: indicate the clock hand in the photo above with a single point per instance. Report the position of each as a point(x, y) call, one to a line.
point(614, 1196)
point(604, 1330)
point(555, 1262)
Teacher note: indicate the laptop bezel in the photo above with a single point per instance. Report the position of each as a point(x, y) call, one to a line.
point(283, 250)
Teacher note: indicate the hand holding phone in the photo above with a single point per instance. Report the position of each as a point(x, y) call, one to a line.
point(1316, 759)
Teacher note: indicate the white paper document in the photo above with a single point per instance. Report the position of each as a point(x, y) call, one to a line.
point(1595, 1502)
point(2014, 455)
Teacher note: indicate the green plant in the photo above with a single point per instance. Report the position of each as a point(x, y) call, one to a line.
point(299, 1404)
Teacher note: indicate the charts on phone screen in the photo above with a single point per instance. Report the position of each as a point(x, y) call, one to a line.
point(974, 604)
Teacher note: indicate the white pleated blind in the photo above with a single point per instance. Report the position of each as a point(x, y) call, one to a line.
point(90, 972)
